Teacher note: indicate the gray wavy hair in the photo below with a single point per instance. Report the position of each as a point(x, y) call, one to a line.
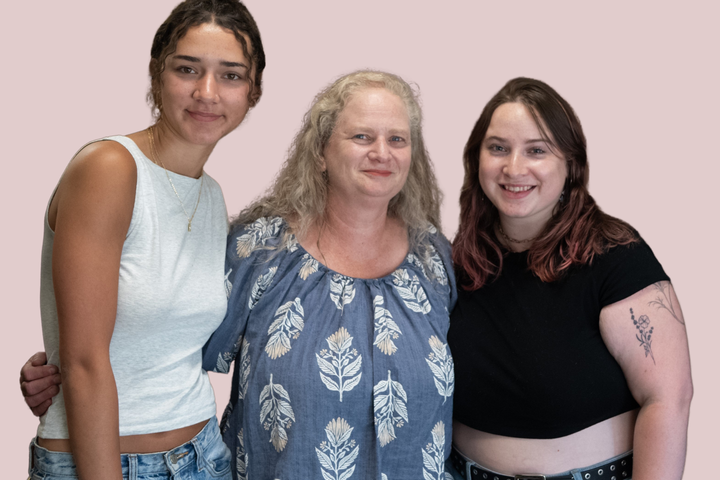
point(299, 192)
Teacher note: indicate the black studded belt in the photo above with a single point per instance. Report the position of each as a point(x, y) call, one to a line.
point(617, 469)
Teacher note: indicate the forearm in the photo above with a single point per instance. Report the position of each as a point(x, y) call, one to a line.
point(660, 441)
point(92, 410)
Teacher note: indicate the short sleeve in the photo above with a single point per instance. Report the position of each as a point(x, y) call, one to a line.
point(625, 270)
point(247, 277)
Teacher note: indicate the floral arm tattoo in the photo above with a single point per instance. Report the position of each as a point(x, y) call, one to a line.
point(644, 334)
point(664, 300)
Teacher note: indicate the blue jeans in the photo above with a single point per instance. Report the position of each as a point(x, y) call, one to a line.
point(575, 472)
point(205, 457)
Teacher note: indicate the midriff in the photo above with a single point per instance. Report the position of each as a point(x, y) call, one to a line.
point(514, 456)
point(147, 443)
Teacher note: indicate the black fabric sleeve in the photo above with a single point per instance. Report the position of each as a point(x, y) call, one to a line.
point(625, 270)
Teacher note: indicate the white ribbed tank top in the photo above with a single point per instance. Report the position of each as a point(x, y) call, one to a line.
point(171, 297)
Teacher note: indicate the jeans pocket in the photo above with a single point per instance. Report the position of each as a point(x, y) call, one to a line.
point(216, 458)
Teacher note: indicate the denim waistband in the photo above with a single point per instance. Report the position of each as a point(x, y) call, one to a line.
point(171, 461)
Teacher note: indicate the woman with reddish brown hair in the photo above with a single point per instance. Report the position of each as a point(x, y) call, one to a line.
point(570, 348)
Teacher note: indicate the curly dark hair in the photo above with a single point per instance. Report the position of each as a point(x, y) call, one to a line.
point(229, 14)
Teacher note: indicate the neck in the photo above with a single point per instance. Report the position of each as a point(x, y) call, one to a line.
point(176, 154)
point(364, 243)
point(354, 223)
point(520, 229)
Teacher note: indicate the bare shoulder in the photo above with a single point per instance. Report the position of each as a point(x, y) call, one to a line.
point(103, 159)
point(100, 179)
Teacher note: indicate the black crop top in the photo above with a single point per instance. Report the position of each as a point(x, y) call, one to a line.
point(529, 358)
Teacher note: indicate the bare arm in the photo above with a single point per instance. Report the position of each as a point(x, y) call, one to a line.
point(94, 207)
point(646, 335)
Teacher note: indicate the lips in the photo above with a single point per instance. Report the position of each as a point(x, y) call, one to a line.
point(516, 192)
point(203, 116)
point(518, 188)
point(378, 173)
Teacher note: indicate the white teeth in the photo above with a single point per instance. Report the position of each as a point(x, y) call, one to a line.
point(518, 189)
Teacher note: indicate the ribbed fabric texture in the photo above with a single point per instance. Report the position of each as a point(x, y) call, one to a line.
point(171, 297)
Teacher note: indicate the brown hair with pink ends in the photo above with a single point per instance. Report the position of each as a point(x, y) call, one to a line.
point(578, 229)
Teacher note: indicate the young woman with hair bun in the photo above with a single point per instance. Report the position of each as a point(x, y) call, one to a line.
point(132, 266)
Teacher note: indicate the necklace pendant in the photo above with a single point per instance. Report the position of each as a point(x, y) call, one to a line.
point(189, 226)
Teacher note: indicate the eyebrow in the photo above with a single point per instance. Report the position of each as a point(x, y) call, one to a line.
point(224, 63)
point(500, 139)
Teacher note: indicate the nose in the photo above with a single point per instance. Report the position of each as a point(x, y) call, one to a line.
point(380, 151)
point(206, 89)
point(515, 165)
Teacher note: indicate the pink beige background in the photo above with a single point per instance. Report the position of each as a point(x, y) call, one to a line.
point(642, 76)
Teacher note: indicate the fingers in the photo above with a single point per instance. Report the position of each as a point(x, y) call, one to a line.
point(39, 383)
point(38, 387)
point(36, 368)
point(42, 408)
point(38, 359)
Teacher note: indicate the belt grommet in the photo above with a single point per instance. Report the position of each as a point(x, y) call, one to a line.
point(587, 476)
point(496, 478)
point(484, 475)
point(613, 477)
point(600, 472)
point(623, 463)
point(474, 471)
point(624, 474)
point(612, 468)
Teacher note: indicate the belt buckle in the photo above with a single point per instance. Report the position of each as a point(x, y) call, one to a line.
point(530, 477)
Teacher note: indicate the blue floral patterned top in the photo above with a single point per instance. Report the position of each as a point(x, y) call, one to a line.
point(335, 377)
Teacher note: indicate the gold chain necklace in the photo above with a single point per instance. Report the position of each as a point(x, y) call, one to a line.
point(513, 240)
point(156, 159)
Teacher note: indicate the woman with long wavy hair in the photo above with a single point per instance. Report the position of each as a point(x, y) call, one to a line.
point(340, 284)
point(570, 348)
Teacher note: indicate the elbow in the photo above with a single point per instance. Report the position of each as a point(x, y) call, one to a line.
point(80, 367)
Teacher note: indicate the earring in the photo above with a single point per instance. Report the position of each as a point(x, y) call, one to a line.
point(562, 196)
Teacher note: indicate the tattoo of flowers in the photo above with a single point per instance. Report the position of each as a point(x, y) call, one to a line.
point(664, 300)
point(644, 334)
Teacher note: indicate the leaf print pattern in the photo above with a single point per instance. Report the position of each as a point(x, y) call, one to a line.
point(287, 325)
point(228, 283)
point(291, 243)
point(256, 234)
point(342, 290)
point(276, 413)
point(415, 260)
point(437, 267)
point(261, 284)
point(390, 408)
point(222, 364)
point(411, 291)
point(441, 364)
point(386, 330)
point(241, 458)
point(434, 455)
point(309, 266)
point(339, 362)
point(225, 421)
point(337, 454)
point(244, 374)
